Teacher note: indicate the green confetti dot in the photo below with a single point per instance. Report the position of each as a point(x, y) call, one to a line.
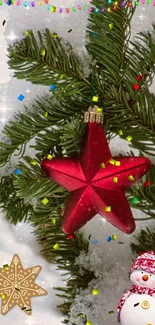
point(134, 200)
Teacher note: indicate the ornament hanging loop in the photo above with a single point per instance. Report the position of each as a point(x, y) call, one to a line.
point(94, 114)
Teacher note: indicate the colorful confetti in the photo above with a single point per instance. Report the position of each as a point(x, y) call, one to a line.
point(94, 241)
point(95, 292)
point(107, 208)
point(102, 165)
point(52, 87)
point(134, 200)
point(56, 246)
point(139, 77)
point(95, 99)
point(120, 132)
point(5, 266)
point(111, 26)
point(49, 157)
point(53, 221)
point(70, 236)
point(108, 239)
point(45, 114)
point(129, 138)
point(33, 162)
point(17, 171)
point(147, 183)
point(136, 86)
point(45, 201)
point(131, 178)
point(114, 237)
point(21, 97)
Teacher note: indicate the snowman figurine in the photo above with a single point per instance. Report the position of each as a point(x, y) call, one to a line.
point(137, 306)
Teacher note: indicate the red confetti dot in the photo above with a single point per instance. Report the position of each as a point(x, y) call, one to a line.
point(129, 4)
point(67, 10)
point(139, 77)
point(136, 87)
point(147, 183)
point(69, 236)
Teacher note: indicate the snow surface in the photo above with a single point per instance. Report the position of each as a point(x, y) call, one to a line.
point(111, 261)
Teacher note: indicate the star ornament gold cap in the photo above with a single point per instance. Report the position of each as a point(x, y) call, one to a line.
point(17, 286)
point(94, 114)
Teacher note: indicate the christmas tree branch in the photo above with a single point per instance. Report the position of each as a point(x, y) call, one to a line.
point(145, 241)
point(144, 195)
point(15, 207)
point(45, 60)
point(48, 235)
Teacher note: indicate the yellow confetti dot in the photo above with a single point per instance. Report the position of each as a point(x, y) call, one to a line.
point(95, 292)
point(114, 237)
point(102, 165)
point(4, 296)
point(49, 157)
point(33, 162)
point(46, 114)
point(53, 221)
point(27, 33)
point(56, 246)
point(55, 35)
point(95, 99)
point(5, 266)
point(117, 163)
point(129, 138)
point(61, 76)
point(131, 178)
point(107, 209)
point(120, 132)
point(42, 52)
point(45, 201)
point(53, 9)
point(99, 110)
point(39, 3)
point(111, 26)
point(112, 161)
point(116, 3)
point(89, 323)
point(108, 9)
point(115, 179)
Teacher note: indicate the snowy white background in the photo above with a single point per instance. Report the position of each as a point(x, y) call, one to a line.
point(110, 260)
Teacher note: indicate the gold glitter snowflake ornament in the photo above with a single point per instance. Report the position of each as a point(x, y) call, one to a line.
point(17, 286)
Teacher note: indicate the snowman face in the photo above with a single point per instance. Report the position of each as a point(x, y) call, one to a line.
point(142, 279)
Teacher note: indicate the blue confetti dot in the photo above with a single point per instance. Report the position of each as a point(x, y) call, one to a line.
point(17, 171)
point(21, 97)
point(94, 241)
point(108, 239)
point(95, 35)
point(9, 2)
point(52, 87)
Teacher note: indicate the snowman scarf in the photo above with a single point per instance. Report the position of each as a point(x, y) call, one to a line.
point(134, 289)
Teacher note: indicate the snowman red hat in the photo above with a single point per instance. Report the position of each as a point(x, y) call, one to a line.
point(145, 262)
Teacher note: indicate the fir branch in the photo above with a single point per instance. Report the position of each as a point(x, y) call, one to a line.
point(48, 235)
point(145, 241)
point(31, 183)
point(16, 208)
point(145, 195)
point(59, 66)
point(112, 42)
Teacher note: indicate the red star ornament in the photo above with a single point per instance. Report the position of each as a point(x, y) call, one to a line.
point(91, 187)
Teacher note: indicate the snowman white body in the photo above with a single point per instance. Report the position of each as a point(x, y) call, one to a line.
point(139, 309)
point(131, 315)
